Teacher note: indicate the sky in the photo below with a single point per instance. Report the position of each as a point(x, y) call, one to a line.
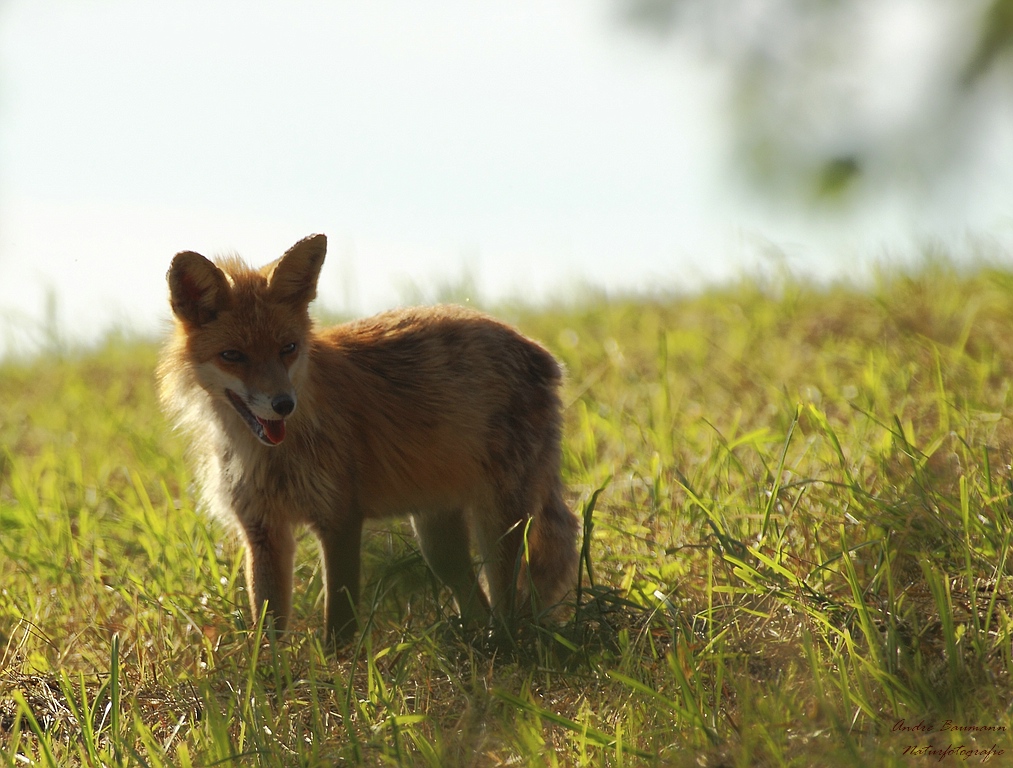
point(536, 146)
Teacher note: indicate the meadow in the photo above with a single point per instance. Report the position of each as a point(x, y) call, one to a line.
point(796, 504)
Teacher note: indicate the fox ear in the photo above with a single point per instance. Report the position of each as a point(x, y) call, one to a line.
point(198, 290)
point(293, 277)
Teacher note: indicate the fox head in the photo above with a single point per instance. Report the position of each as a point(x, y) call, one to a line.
point(245, 331)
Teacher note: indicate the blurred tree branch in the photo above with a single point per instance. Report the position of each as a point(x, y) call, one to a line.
point(820, 110)
point(996, 37)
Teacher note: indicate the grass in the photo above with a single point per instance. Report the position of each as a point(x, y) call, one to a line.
point(797, 502)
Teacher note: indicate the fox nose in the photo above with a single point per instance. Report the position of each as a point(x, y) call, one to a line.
point(283, 405)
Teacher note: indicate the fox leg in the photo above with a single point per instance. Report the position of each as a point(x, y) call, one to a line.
point(500, 529)
point(340, 545)
point(270, 560)
point(445, 543)
point(529, 545)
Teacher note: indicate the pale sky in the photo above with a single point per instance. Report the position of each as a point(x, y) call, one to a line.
point(533, 143)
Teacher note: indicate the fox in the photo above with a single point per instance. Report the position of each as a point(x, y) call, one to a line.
point(441, 414)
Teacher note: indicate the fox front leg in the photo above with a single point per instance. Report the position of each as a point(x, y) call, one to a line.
point(270, 561)
point(340, 545)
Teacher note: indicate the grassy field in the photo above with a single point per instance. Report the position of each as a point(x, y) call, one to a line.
point(798, 503)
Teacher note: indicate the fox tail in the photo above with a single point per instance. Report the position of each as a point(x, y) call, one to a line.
point(549, 572)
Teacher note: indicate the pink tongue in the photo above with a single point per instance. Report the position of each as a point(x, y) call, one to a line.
point(275, 430)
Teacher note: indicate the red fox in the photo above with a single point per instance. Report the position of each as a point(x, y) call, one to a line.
point(442, 414)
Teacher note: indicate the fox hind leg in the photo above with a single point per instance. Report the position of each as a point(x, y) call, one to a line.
point(500, 528)
point(445, 542)
point(530, 553)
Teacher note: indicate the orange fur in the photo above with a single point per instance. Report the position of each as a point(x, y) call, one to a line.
point(443, 414)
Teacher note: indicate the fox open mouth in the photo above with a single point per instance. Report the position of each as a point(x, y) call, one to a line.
point(269, 431)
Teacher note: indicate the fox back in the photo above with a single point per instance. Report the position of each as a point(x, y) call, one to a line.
point(442, 414)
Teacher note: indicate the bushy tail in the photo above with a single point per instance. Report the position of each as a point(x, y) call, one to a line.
point(549, 574)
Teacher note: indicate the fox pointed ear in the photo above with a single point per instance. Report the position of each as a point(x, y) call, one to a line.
point(198, 290)
point(293, 277)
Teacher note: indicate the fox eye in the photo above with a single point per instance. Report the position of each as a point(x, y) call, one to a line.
point(289, 348)
point(233, 356)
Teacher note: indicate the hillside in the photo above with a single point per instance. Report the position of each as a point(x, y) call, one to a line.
point(799, 501)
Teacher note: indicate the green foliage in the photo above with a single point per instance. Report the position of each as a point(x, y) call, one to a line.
point(798, 509)
point(804, 83)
